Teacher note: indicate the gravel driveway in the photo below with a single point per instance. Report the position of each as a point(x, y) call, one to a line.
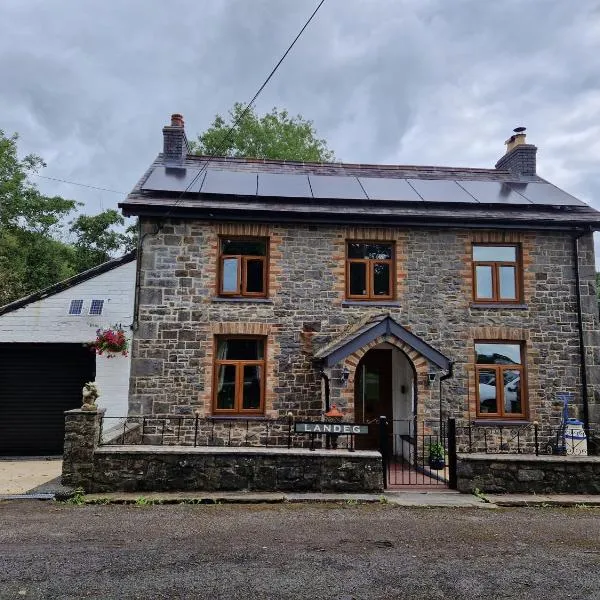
point(295, 551)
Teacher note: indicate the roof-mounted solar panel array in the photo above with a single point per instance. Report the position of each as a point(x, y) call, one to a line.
point(352, 188)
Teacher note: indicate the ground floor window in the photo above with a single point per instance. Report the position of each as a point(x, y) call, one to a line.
point(500, 376)
point(239, 375)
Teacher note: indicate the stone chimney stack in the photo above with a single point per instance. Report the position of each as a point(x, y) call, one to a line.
point(175, 144)
point(520, 156)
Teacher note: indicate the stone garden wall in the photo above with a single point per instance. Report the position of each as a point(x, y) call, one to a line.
point(146, 468)
point(513, 473)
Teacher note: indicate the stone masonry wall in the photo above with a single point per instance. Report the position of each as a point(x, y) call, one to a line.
point(179, 315)
point(531, 474)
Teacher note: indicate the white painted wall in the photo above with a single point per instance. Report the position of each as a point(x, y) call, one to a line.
point(48, 320)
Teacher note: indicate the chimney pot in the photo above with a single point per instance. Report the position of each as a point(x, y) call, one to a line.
point(176, 120)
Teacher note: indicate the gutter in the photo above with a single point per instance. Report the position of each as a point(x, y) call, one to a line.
point(583, 363)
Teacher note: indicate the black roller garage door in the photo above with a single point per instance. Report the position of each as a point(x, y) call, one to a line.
point(38, 382)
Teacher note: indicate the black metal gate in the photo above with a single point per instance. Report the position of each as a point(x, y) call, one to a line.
point(418, 453)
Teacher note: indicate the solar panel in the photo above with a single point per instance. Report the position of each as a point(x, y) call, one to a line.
point(172, 179)
point(336, 186)
point(493, 192)
point(283, 185)
point(441, 190)
point(389, 189)
point(546, 193)
point(236, 183)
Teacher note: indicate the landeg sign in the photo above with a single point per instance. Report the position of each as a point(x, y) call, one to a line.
point(337, 428)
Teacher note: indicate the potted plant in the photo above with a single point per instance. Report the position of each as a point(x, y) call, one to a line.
point(110, 342)
point(437, 456)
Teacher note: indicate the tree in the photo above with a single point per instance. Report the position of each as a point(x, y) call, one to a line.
point(33, 250)
point(95, 239)
point(276, 135)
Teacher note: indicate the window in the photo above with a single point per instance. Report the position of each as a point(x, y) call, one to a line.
point(243, 267)
point(96, 307)
point(76, 307)
point(239, 375)
point(500, 377)
point(369, 271)
point(496, 273)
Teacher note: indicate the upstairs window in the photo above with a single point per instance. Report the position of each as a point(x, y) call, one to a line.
point(76, 307)
point(500, 377)
point(96, 307)
point(243, 267)
point(369, 271)
point(496, 273)
point(239, 375)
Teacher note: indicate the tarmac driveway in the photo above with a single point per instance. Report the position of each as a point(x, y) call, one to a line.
point(365, 552)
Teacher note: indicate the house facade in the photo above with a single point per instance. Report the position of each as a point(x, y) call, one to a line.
point(272, 288)
point(46, 358)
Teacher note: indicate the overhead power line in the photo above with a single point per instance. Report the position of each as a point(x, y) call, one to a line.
point(93, 187)
point(248, 106)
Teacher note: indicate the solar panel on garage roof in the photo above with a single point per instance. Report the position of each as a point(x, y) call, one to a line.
point(441, 190)
point(283, 185)
point(173, 179)
point(235, 183)
point(385, 188)
point(546, 193)
point(493, 192)
point(336, 186)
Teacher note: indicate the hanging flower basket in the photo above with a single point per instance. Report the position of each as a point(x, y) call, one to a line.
point(110, 342)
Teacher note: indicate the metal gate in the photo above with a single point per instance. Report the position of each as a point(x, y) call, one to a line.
point(418, 453)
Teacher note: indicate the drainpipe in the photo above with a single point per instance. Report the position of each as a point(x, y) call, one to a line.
point(583, 364)
point(447, 375)
point(326, 380)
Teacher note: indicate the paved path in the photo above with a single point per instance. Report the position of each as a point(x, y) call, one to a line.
point(294, 551)
point(20, 475)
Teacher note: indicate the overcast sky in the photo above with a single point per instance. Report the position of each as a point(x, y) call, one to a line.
point(88, 84)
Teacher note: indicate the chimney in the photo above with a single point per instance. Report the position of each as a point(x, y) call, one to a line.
point(175, 144)
point(520, 156)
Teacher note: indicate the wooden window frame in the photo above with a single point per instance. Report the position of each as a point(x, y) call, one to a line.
point(499, 374)
point(370, 263)
point(239, 378)
point(495, 266)
point(242, 271)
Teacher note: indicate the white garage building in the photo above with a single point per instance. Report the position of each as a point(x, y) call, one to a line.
point(45, 359)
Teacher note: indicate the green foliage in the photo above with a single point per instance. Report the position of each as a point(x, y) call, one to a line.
point(33, 250)
point(436, 451)
point(78, 497)
point(276, 135)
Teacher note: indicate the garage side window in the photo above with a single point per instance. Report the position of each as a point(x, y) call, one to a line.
point(239, 375)
point(76, 307)
point(500, 375)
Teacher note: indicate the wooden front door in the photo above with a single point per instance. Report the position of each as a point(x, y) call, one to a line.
point(373, 394)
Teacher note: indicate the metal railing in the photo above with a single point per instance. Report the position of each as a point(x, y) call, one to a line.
point(198, 431)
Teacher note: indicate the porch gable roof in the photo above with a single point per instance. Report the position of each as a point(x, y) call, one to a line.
point(340, 348)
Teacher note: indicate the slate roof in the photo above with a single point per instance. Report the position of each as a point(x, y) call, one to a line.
point(66, 284)
point(362, 210)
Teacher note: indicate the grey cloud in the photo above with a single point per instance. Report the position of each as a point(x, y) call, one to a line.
point(90, 84)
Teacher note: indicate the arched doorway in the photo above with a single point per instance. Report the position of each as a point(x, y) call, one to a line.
point(384, 386)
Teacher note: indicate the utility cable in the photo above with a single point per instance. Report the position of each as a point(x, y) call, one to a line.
point(248, 106)
point(93, 187)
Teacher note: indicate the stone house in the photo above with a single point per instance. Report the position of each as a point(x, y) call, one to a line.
point(269, 287)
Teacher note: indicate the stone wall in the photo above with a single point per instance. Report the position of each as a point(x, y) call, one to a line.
point(512, 473)
point(160, 468)
point(179, 316)
point(144, 468)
